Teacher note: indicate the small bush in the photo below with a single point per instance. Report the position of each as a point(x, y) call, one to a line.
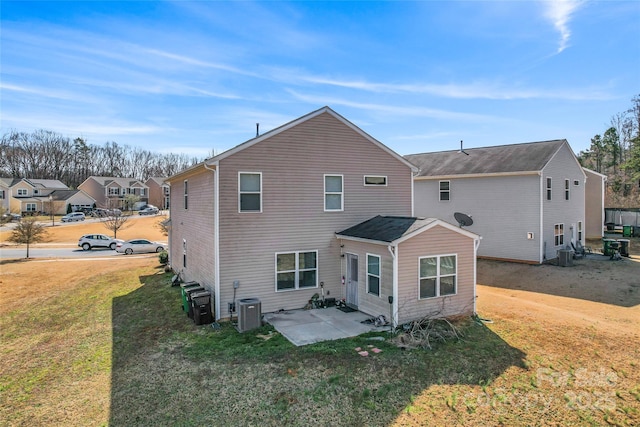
point(163, 257)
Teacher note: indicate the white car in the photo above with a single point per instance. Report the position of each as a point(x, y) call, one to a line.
point(140, 246)
point(149, 210)
point(90, 241)
point(74, 216)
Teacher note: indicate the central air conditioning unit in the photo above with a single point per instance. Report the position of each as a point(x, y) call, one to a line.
point(249, 314)
point(565, 258)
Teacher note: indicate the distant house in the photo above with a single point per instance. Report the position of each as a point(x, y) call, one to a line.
point(594, 204)
point(278, 218)
point(28, 195)
point(527, 201)
point(159, 195)
point(111, 192)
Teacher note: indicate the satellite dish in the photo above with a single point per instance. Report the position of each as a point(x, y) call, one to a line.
point(463, 219)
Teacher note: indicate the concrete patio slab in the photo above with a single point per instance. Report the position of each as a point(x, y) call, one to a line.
point(303, 327)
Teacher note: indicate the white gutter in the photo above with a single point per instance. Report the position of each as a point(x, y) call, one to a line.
point(216, 236)
point(393, 250)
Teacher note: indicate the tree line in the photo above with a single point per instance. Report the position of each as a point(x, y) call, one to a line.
point(44, 154)
point(616, 153)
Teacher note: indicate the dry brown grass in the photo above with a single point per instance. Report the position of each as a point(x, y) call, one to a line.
point(69, 233)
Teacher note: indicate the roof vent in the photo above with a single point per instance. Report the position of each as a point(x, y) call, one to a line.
point(462, 149)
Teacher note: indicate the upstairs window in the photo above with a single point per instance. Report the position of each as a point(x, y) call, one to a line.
point(566, 189)
point(374, 180)
point(548, 188)
point(186, 194)
point(250, 192)
point(22, 191)
point(333, 193)
point(445, 190)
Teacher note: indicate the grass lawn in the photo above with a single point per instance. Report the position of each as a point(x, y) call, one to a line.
point(105, 342)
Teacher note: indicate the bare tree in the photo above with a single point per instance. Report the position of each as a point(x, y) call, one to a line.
point(28, 231)
point(116, 222)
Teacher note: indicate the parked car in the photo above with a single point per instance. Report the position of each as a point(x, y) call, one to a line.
point(149, 210)
point(90, 241)
point(99, 213)
point(8, 217)
point(74, 216)
point(140, 246)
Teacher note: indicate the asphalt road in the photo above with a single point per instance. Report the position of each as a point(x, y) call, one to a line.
point(9, 252)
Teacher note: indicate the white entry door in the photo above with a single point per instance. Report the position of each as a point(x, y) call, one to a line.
point(352, 280)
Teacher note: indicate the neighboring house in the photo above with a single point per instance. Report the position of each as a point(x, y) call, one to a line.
point(594, 204)
point(28, 195)
point(62, 199)
point(110, 192)
point(260, 220)
point(527, 201)
point(158, 192)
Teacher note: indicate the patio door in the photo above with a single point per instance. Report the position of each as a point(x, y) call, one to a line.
point(351, 281)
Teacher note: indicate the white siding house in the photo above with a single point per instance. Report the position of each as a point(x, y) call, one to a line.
point(527, 201)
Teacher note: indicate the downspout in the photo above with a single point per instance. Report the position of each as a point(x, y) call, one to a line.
point(393, 250)
point(476, 244)
point(543, 196)
point(216, 237)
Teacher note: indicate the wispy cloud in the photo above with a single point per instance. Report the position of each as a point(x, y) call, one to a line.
point(395, 110)
point(560, 12)
point(473, 90)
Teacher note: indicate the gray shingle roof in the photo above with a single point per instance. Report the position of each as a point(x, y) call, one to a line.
point(386, 228)
point(527, 157)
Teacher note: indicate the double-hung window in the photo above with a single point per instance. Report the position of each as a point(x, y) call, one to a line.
point(31, 207)
point(333, 193)
point(437, 276)
point(296, 270)
point(186, 194)
point(566, 189)
point(22, 191)
point(250, 192)
point(373, 274)
point(548, 188)
point(558, 234)
point(445, 190)
point(579, 231)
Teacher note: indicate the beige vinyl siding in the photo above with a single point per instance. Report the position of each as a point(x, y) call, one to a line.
point(368, 303)
point(196, 226)
point(436, 241)
point(558, 210)
point(95, 190)
point(293, 164)
point(503, 208)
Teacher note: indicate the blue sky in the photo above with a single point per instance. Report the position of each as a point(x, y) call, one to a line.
point(194, 77)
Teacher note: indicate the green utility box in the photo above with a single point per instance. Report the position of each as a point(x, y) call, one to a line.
point(627, 230)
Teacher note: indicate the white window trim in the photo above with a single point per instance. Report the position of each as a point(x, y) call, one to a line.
point(567, 189)
point(296, 271)
point(185, 197)
point(35, 207)
point(559, 226)
point(249, 192)
point(548, 188)
point(364, 180)
point(324, 197)
point(438, 276)
point(440, 191)
point(379, 276)
point(22, 192)
point(576, 182)
point(579, 231)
